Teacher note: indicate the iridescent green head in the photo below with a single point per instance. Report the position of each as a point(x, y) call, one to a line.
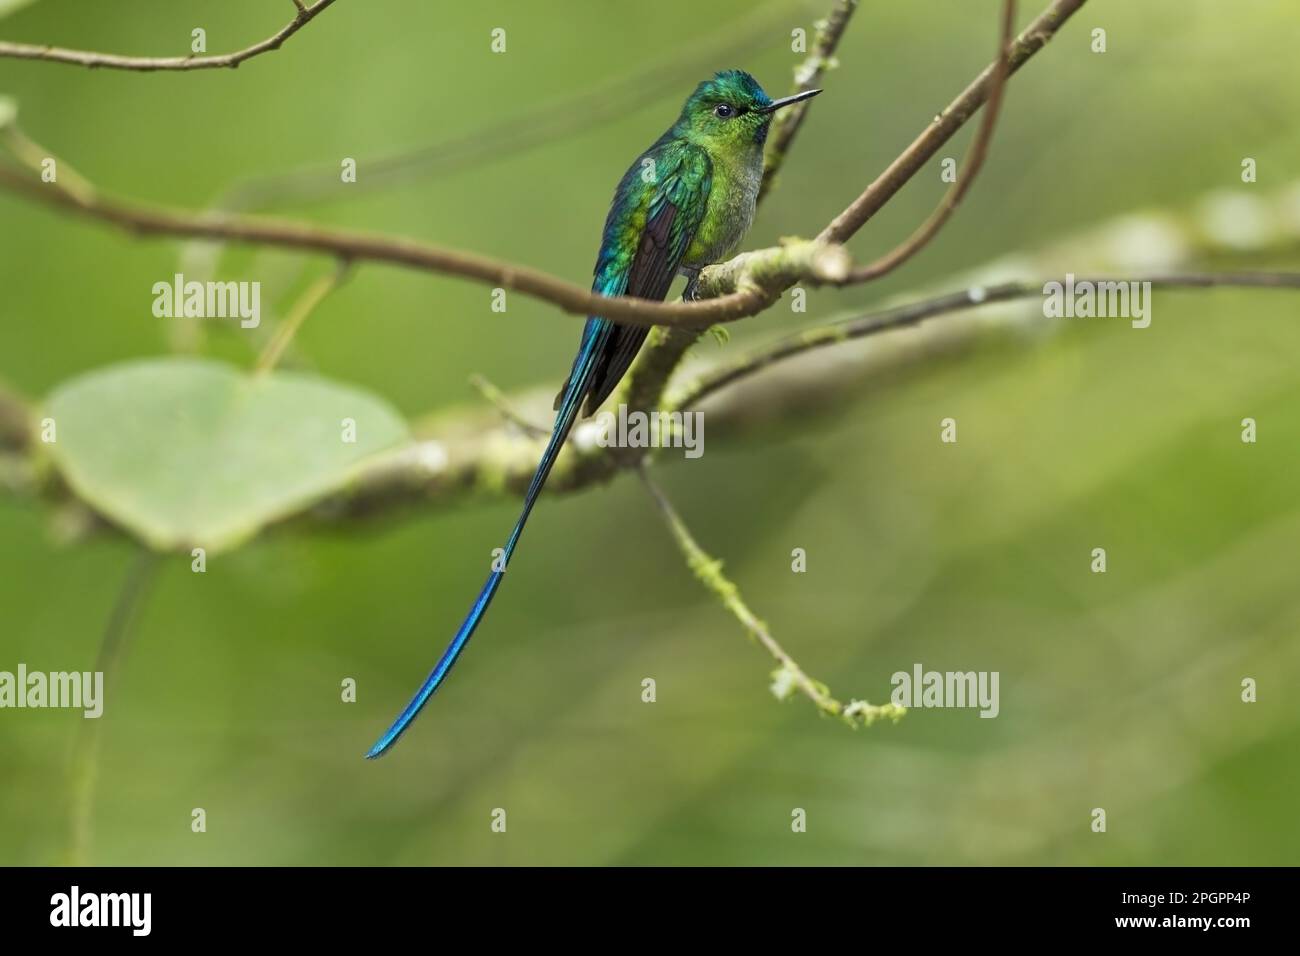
point(731, 111)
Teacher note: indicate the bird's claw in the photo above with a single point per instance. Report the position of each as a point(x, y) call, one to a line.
point(692, 291)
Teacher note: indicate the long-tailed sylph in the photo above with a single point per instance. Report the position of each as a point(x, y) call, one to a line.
point(686, 202)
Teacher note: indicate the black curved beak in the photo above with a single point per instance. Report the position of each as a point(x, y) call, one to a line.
point(787, 100)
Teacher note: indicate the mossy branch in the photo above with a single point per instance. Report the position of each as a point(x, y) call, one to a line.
point(789, 677)
point(807, 76)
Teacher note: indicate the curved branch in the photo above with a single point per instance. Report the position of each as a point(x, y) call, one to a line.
point(151, 64)
point(316, 293)
point(109, 661)
point(979, 150)
point(734, 290)
point(807, 76)
point(917, 312)
point(789, 676)
point(908, 164)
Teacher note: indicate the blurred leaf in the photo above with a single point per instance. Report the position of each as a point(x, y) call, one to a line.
point(8, 108)
point(187, 452)
point(13, 6)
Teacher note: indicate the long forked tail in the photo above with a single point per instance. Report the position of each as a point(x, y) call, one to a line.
point(585, 368)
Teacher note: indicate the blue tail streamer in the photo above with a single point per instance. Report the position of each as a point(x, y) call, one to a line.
point(595, 336)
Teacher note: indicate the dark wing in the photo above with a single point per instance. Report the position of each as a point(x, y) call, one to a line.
point(650, 277)
point(673, 211)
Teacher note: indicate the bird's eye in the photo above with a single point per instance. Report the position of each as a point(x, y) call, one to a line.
point(723, 110)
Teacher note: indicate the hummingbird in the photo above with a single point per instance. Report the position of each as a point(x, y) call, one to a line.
point(685, 203)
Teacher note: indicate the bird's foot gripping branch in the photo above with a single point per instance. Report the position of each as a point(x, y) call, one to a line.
point(757, 279)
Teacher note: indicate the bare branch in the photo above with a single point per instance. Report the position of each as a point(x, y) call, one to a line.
point(315, 294)
point(912, 159)
point(149, 64)
point(789, 675)
point(743, 287)
point(33, 156)
point(806, 77)
point(112, 650)
point(502, 403)
point(969, 169)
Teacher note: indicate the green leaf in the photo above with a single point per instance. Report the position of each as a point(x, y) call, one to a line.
point(8, 108)
point(194, 453)
point(13, 6)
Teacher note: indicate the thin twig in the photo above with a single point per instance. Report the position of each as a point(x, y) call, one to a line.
point(150, 64)
point(969, 169)
point(34, 156)
point(789, 675)
point(112, 647)
point(807, 76)
point(306, 304)
point(914, 313)
point(758, 277)
point(501, 402)
point(1032, 39)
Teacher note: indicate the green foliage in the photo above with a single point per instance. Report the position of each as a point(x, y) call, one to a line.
point(195, 453)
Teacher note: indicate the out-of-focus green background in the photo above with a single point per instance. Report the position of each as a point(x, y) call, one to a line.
point(1118, 691)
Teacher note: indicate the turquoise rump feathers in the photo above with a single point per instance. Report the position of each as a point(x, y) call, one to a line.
point(686, 202)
